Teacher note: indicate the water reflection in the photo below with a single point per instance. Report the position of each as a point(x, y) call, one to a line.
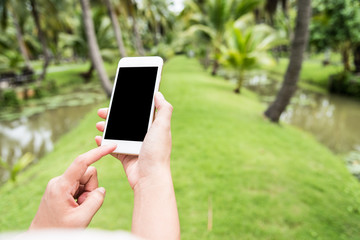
point(333, 120)
point(37, 134)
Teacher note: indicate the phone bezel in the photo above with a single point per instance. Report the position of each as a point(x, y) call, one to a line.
point(133, 147)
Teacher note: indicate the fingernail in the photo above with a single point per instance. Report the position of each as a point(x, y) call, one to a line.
point(101, 189)
point(100, 109)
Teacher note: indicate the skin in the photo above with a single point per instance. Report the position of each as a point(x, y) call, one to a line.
point(59, 208)
point(155, 213)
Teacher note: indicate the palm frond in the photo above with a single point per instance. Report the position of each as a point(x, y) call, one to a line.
point(246, 6)
point(200, 28)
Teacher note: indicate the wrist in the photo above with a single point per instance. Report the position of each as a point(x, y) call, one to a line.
point(155, 213)
point(36, 225)
point(159, 180)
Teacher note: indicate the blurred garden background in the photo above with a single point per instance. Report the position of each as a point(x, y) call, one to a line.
point(266, 96)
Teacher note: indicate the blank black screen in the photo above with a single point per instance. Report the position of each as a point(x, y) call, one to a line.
point(131, 104)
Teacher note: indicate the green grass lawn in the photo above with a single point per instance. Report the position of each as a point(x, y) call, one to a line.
point(260, 180)
point(69, 74)
point(313, 72)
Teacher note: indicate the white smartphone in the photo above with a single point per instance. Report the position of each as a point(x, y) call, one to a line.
point(131, 109)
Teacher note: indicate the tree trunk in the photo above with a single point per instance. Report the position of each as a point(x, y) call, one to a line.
point(257, 16)
point(237, 90)
point(94, 47)
point(56, 52)
point(138, 42)
point(357, 58)
point(157, 33)
point(20, 39)
point(116, 28)
point(207, 59)
point(346, 58)
point(327, 57)
point(215, 67)
point(88, 74)
point(216, 64)
point(298, 47)
point(270, 7)
point(42, 38)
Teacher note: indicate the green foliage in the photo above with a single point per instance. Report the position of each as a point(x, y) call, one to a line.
point(159, 21)
point(163, 50)
point(247, 46)
point(39, 91)
point(4, 13)
point(265, 181)
point(46, 88)
point(10, 60)
point(52, 86)
point(20, 165)
point(345, 83)
point(77, 40)
point(9, 99)
point(335, 23)
point(212, 18)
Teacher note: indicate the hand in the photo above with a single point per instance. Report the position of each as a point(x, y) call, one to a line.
point(154, 157)
point(155, 213)
point(72, 199)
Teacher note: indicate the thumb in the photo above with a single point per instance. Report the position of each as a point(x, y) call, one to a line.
point(92, 203)
point(164, 108)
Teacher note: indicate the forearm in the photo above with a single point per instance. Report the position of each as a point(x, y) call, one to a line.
point(155, 213)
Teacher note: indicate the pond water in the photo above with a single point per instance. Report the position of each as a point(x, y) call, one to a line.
point(333, 120)
point(37, 133)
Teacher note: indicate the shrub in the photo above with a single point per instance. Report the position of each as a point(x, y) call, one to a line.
point(52, 87)
point(10, 99)
point(39, 91)
point(345, 83)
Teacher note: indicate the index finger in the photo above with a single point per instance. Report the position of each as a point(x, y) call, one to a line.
point(78, 167)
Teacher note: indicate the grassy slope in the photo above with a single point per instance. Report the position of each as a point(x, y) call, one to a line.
point(314, 76)
point(69, 74)
point(263, 181)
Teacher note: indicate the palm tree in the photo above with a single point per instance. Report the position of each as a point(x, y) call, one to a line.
point(131, 8)
point(94, 47)
point(212, 18)
point(247, 47)
point(12, 8)
point(159, 18)
point(77, 42)
point(116, 28)
point(291, 77)
point(41, 36)
point(10, 59)
point(272, 5)
point(20, 40)
point(57, 18)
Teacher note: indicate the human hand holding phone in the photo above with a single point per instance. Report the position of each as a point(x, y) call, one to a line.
point(72, 199)
point(155, 213)
point(136, 82)
point(154, 157)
